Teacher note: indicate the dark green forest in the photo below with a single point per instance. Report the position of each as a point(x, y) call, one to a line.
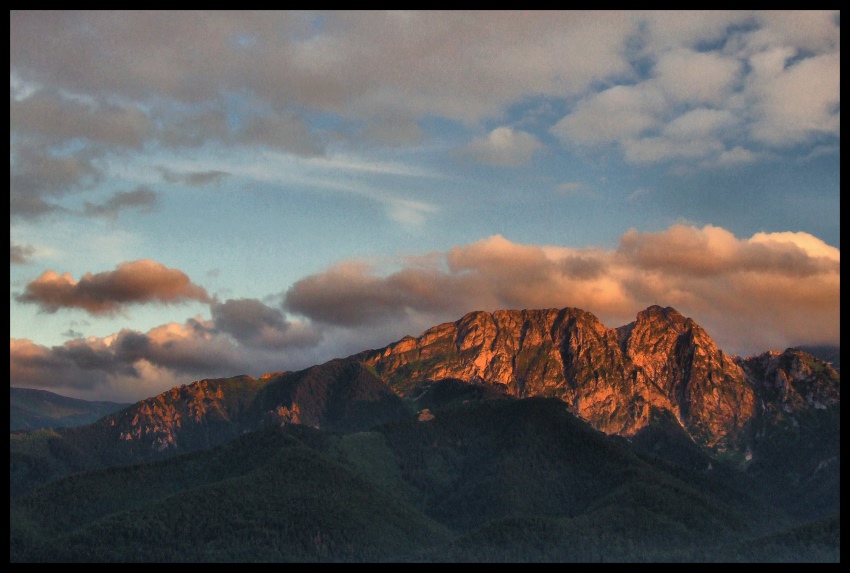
point(488, 479)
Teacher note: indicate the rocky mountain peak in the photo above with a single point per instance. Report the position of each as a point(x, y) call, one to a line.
point(620, 380)
point(792, 381)
point(612, 378)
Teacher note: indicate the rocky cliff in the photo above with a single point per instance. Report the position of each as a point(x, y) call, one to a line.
point(662, 365)
point(613, 378)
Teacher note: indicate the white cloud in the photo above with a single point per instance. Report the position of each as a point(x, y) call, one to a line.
point(616, 114)
point(736, 156)
point(692, 77)
point(699, 123)
point(797, 102)
point(503, 147)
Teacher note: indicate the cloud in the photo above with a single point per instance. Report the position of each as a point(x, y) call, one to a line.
point(127, 366)
point(616, 114)
point(131, 365)
point(571, 188)
point(134, 282)
point(769, 291)
point(82, 365)
point(331, 62)
point(141, 198)
point(736, 156)
point(37, 176)
point(798, 102)
point(193, 178)
point(19, 254)
point(766, 77)
point(253, 323)
point(50, 115)
point(503, 147)
point(301, 81)
point(687, 76)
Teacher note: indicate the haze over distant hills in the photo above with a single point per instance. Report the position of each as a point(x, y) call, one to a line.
point(514, 434)
point(31, 409)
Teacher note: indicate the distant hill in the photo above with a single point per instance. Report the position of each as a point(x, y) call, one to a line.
point(31, 409)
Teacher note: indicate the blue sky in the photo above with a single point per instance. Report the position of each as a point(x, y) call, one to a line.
point(204, 194)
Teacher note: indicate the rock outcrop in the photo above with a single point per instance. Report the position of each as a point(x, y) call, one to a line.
point(612, 378)
point(620, 380)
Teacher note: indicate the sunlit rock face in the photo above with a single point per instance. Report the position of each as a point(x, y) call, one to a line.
point(613, 378)
point(620, 380)
point(677, 367)
point(185, 417)
point(792, 381)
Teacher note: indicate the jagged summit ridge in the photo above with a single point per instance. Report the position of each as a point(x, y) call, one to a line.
point(662, 366)
point(613, 378)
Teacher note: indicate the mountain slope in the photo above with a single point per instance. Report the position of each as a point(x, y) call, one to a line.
point(613, 378)
point(618, 380)
point(516, 480)
point(266, 496)
point(31, 409)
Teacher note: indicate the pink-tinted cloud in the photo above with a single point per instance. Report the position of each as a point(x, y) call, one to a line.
point(131, 365)
point(768, 291)
point(126, 366)
point(135, 282)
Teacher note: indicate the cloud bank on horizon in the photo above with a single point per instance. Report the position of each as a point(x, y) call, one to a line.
point(766, 292)
point(197, 194)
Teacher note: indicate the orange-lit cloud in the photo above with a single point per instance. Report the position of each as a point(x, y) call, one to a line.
point(245, 337)
point(134, 282)
point(769, 291)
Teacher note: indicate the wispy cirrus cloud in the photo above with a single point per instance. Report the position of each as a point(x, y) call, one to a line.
point(193, 178)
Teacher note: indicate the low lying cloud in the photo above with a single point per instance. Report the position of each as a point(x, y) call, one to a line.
point(132, 365)
point(772, 290)
point(255, 324)
point(135, 282)
point(769, 291)
point(129, 366)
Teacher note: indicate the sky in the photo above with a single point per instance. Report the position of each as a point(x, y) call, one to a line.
point(208, 194)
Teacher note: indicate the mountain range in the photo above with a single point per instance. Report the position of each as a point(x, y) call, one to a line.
point(517, 435)
point(31, 409)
